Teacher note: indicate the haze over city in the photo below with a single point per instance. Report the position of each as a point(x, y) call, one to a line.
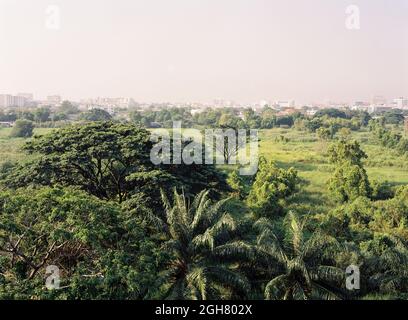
point(184, 50)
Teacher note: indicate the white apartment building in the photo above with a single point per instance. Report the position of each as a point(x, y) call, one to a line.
point(8, 100)
point(377, 108)
point(400, 103)
point(28, 96)
point(109, 102)
point(285, 104)
point(19, 101)
point(54, 100)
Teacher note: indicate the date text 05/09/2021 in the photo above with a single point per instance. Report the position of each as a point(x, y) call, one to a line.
point(211, 309)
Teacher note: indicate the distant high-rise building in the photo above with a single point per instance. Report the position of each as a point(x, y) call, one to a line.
point(28, 96)
point(379, 104)
point(400, 103)
point(19, 101)
point(379, 101)
point(54, 100)
point(285, 104)
point(8, 100)
point(109, 102)
point(221, 103)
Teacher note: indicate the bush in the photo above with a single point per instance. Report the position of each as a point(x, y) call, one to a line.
point(271, 187)
point(238, 184)
point(381, 190)
point(22, 129)
point(403, 146)
point(349, 179)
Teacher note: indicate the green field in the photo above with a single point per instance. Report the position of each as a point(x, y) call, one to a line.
point(301, 150)
point(11, 147)
point(305, 152)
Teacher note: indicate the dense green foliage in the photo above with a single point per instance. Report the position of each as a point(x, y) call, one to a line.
point(100, 251)
point(306, 267)
point(197, 236)
point(22, 129)
point(96, 115)
point(270, 188)
point(389, 138)
point(349, 180)
point(108, 160)
point(87, 199)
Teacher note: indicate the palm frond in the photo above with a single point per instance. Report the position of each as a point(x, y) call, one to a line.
point(262, 224)
point(225, 223)
point(180, 202)
point(166, 203)
point(198, 207)
point(321, 244)
point(321, 293)
point(298, 292)
point(295, 228)
point(197, 279)
point(230, 279)
point(268, 243)
point(235, 251)
point(298, 265)
point(328, 274)
point(209, 216)
point(276, 288)
point(205, 240)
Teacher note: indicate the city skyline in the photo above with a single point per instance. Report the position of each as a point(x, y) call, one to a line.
point(241, 50)
point(31, 100)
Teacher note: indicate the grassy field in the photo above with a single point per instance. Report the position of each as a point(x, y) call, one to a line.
point(306, 153)
point(300, 150)
point(10, 148)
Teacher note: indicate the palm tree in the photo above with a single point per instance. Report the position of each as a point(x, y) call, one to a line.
point(388, 269)
point(196, 234)
point(300, 264)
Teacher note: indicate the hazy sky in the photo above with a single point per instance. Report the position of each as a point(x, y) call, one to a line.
point(198, 50)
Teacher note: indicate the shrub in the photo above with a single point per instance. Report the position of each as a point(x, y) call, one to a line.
point(22, 129)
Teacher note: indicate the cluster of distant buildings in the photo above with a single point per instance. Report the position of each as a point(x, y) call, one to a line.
point(282, 107)
point(111, 105)
point(288, 107)
point(20, 100)
point(380, 104)
point(26, 100)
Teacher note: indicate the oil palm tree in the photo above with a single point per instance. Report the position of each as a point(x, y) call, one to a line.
point(302, 266)
point(388, 269)
point(195, 233)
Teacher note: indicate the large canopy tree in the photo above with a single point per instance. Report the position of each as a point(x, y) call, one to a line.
point(101, 251)
point(96, 115)
point(52, 226)
point(109, 160)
